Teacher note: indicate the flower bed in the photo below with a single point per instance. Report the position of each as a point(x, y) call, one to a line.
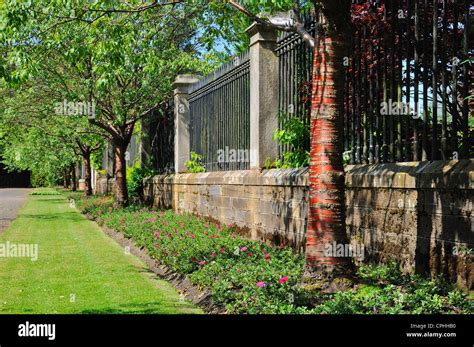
point(248, 276)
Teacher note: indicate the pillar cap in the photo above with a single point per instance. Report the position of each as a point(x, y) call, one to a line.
point(185, 80)
point(261, 32)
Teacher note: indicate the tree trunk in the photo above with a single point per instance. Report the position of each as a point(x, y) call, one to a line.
point(121, 194)
point(65, 184)
point(73, 178)
point(88, 174)
point(326, 224)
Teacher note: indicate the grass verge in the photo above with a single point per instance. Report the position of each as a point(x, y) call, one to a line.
point(79, 269)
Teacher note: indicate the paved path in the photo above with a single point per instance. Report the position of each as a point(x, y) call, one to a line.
point(11, 199)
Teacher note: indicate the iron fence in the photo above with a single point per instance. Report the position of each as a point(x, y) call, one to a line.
point(161, 133)
point(295, 68)
point(220, 117)
point(133, 151)
point(407, 86)
point(407, 89)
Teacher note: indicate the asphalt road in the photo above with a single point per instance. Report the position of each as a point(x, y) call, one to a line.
point(11, 199)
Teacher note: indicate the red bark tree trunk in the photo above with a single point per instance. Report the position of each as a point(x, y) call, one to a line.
point(121, 194)
point(326, 222)
point(88, 174)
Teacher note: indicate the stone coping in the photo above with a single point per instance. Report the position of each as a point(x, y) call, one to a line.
point(440, 174)
point(454, 174)
point(275, 177)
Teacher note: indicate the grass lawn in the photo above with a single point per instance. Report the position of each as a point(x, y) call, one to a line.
point(79, 268)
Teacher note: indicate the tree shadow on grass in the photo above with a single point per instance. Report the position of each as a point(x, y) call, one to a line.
point(58, 201)
point(163, 307)
point(69, 216)
point(55, 199)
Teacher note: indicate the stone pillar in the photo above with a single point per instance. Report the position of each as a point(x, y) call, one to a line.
point(263, 94)
point(110, 160)
point(182, 143)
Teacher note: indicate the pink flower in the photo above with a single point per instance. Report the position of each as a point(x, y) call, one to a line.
point(267, 256)
point(230, 226)
point(222, 250)
point(152, 219)
point(260, 284)
point(213, 254)
point(202, 262)
point(283, 279)
point(243, 249)
point(192, 236)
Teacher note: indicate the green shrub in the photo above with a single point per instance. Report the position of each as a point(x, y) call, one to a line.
point(96, 206)
point(39, 179)
point(135, 176)
point(294, 133)
point(194, 165)
point(388, 273)
point(459, 300)
point(102, 173)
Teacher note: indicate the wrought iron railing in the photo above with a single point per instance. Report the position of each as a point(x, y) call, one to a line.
point(161, 130)
point(220, 117)
point(408, 82)
point(295, 67)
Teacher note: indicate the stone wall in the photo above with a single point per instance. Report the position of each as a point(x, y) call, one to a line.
point(270, 206)
point(417, 213)
point(104, 185)
point(81, 184)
